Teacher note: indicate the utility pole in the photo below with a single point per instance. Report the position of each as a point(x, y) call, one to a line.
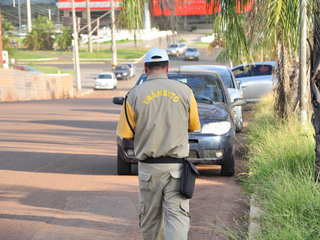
point(19, 12)
point(76, 50)
point(98, 26)
point(113, 37)
point(303, 64)
point(1, 62)
point(89, 27)
point(29, 15)
point(146, 17)
point(49, 12)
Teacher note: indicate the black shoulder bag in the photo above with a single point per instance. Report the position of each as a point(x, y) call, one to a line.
point(188, 179)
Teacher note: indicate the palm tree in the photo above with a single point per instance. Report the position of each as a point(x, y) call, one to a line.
point(271, 24)
point(64, 39)
point(41, 35)
point(315, 85)
point(7, 35)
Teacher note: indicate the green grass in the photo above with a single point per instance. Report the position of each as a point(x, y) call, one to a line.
point(28, 55)
point(107, 53)
point(281, 175)
point(103, 54)
point(48, 69)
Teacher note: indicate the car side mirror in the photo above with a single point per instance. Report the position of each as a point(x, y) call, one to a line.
point(118, 100)
point(239, 102)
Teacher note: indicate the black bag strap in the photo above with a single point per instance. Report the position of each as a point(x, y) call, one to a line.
point(125, 110)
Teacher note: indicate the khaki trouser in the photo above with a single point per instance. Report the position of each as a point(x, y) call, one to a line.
point(164, 212)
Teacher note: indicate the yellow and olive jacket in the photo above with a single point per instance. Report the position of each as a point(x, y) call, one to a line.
point(161, 111)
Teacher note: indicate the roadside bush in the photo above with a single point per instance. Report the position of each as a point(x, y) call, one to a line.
point(281, 175)
point(64, 39)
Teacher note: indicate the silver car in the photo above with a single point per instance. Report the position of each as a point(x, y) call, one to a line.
point(192, 53)
point(257, 79)
point(176, 49)
point(131, 67)
point(234, 88)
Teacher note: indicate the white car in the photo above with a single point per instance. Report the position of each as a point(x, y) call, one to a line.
point(176, 49)
point(131, 67)
point(106, 80)
point(234, 87)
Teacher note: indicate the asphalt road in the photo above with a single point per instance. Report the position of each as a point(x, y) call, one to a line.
point(58, 173)
point(89, 71)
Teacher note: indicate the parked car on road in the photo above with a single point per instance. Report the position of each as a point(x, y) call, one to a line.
point(27, 68)
point(131, 67)
point(257, 79)
point(234, 88)
point(106, 80)
point(214, 142)
point(176, 49)
point(192, 53)
point(122, 72)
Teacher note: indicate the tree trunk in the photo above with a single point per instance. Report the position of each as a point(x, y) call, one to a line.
point(314, 87)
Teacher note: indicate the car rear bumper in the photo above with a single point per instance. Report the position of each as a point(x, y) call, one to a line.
point(104, 86)
point(202, 148)
point(191, 57)
point(122, 77)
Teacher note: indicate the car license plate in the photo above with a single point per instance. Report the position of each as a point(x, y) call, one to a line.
point(119, 75)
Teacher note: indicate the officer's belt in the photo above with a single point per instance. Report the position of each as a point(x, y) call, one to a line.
point(162, 160)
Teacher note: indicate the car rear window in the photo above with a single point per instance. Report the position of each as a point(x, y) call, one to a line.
point(121, 68)
point(105, 76)
point(191, 50)
point(206, 88)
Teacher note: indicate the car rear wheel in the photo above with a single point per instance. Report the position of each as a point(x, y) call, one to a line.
point(227, 169)
point(123, 168)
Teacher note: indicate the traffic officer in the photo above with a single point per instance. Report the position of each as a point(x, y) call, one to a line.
point(157, 116)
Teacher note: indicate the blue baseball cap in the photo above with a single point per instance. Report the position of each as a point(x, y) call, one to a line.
point(156, 55)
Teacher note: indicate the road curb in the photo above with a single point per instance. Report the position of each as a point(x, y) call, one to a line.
point(255, 213)
point(138, 60)
point(79, 95)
